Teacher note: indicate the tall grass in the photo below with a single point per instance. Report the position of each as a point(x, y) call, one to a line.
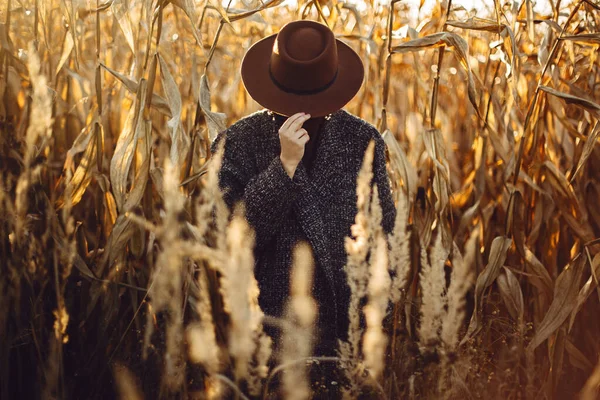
point(124, 274)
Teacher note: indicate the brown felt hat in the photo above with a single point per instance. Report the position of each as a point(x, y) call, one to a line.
point(303, 68)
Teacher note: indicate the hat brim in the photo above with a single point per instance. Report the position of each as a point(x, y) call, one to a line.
point(258, 83)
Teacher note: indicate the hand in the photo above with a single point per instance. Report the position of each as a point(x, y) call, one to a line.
point(293, 138)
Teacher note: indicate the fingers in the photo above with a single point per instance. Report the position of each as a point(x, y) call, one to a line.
point(291, 119)
point(297, 123)
point(301, 132)
point(302, 137)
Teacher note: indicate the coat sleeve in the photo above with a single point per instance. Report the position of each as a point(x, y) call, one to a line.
point(267, 195)
point(381, 178)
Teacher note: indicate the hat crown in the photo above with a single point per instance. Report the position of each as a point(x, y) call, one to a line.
point(305, 44)
point(304, 57)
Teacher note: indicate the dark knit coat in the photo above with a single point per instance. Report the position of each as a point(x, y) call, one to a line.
point(317, 205)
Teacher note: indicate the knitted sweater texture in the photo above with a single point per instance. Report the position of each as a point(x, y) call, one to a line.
point(316, 205)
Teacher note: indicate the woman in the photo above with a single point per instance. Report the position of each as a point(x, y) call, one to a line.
point(295, 165)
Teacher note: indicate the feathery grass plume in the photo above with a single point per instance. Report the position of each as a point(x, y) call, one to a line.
point(591, 390)
point(357, 248)
point(400, 249)
point(433, 283)
point(357, 272)
point(201, 336)
point(301, 311)
point(127, 385)
point(240, 294)
point(165, 292)
point(375, 340)
point(259, 368)
point(39, 131)
point(461, 280)
point(216, 201)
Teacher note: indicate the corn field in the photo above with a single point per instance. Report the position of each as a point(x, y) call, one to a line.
point(124, 275)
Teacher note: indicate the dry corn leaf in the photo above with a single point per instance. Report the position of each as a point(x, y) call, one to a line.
point(214, 120)
point(560, 183)
point(246, 14)
point(586, 290)
point(143, 151)
point(511, 293)
point(72, 22)
point(82, 177)
point(565, 298)
point(79, 145)
point(222, 12)
point(104, 6)
point(120, 9)
point(505, 32)
point(540, 277)
point(478, 24)
point(118, 239)
point(77, 260)
point(120, 163)
point(557, 352)
point(157, 101)
point(58, 236)
point(436, 150)
point(590, 38)
point(577, 358)
point(461, 50)
point(589, 105)
point(587, 149)
point(67, 49)
point(400, 163)
point(179, 140)
point(189, 9)
point(497, 257)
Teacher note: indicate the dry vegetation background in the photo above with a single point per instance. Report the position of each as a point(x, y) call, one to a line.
point(115, 280)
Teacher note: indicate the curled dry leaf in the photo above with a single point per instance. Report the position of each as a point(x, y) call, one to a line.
point(506, 33)
point(478, 24)
point(400, 163)
point(158, 102)
point(539, 275)
point(577, 358)
point(588, 38)
point(589, 105)
point(489, 274)
point(434, 143)
point(565, 299)
point(561, 185)
point(83, 174)
point(121, 12)
point(586, 290)
point(214, 120)
point(67, 49)
point(189, 9)
point(587, 148)
point(135, 131)
point(180, 142)
point(69, 11)
point(461, 50)
point(511, 293)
